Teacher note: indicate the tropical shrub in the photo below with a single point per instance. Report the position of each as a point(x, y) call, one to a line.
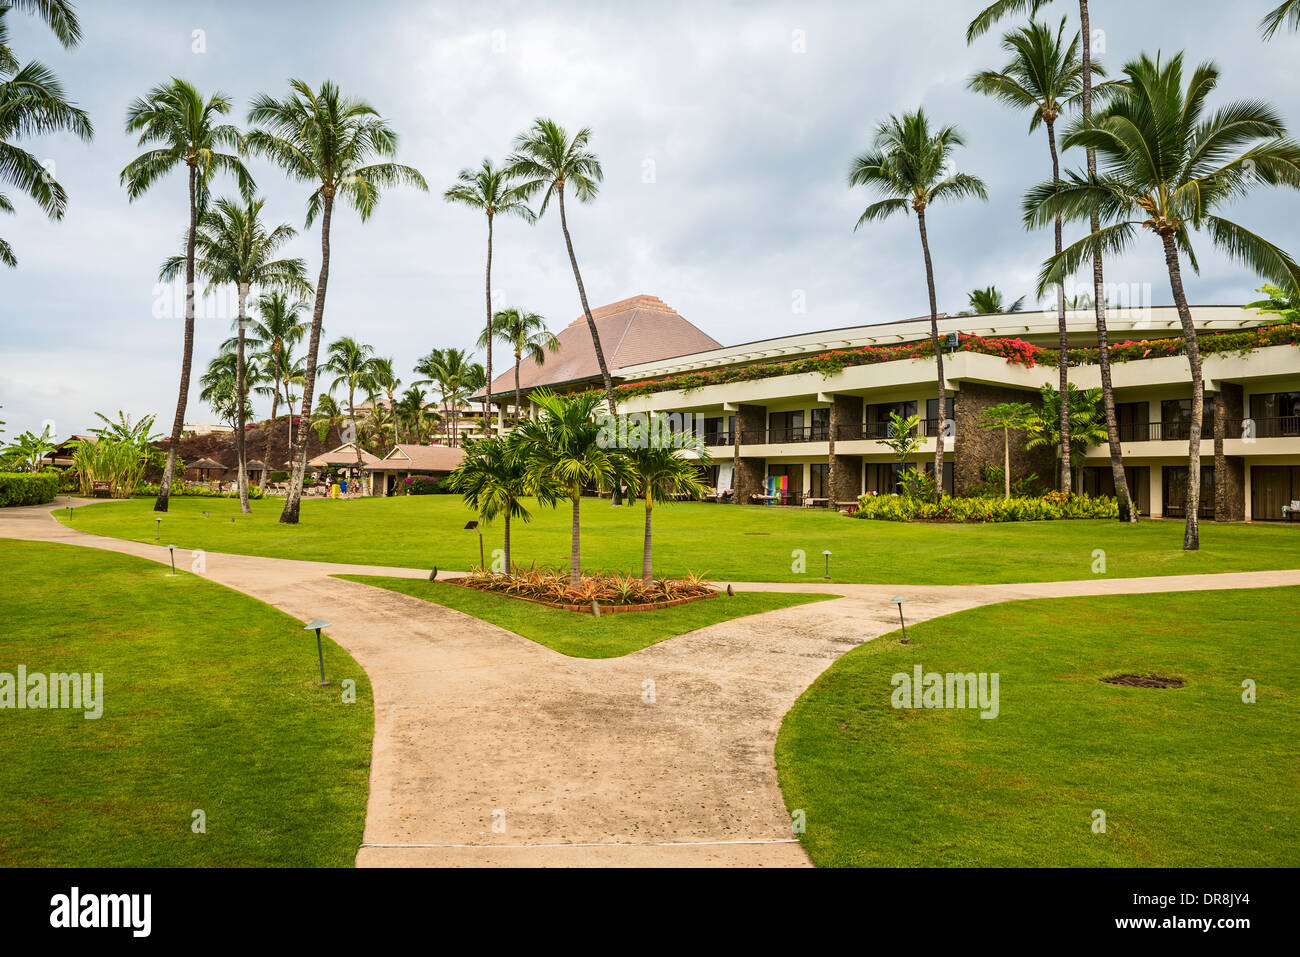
point(197, 491)
point(554, 587)
point(993, 482)
point(28, 488)
point(1052, 507)
point(423, 485)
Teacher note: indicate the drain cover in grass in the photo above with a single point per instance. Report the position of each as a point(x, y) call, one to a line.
point(1144, 681)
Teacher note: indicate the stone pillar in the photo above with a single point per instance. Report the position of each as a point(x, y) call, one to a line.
point(747, 474)
point(1229, 473)
point(845, 470)
point(975, 446)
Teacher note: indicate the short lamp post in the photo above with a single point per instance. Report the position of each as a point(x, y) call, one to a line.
point(898, 600)
point(157, 529)
point(827, 554)
point(473, 527)
point(316, 624)
point(171, 550)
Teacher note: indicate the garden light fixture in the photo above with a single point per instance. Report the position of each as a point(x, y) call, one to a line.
point(317, 625)
point(171, 550)
point(827, 553)
point(473, 527)
point(157, 529)
point(898, 600)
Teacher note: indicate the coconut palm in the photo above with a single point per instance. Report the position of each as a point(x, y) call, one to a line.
point(182, 129)
point(1045, 77)
point(546, 159)
point(494, 478)
point(1277, 302)
point(59, 15)
point(385, 380)
point(1087, 425)
point(908, 165)
point(493, 192)
point(1097, 301)
point(526, 335)
point(273, 334)
point(1288, 13)
point(990, 302)
point(414, 415)
point(234, 246)
point(341, 146)
point(219, 386)
point(32, 102)
point(1168, 166)
point(327, 417)
point(353, 365)
point(451, 372)
point(660, 467)
point(565, 449)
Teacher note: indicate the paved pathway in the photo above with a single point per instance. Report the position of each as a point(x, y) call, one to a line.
point(476, 726)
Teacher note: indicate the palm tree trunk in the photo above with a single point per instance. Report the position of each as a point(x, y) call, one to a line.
point(507, 539)
point(1006, 462)
point(575, 552)
point(1063, 332)
point(241, 413)
point(518, 394)
point(356, 432)
point(392, 405)
point(293, 499)
point(487, 391)
point(1127, 511)
point(616, 497)
point(938, 353)
point(187, 353)
point(270, 426)
point(647, 558)
point(1192, 532)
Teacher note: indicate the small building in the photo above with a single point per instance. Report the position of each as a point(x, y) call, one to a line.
point(61, 456)
point(388, 475)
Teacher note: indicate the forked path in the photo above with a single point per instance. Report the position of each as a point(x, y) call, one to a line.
point(491, 749)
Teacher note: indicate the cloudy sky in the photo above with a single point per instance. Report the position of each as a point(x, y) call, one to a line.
point(725, 131)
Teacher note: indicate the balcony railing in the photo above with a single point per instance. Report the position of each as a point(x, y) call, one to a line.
point(806, 433)
point(1274, 427)
point(1175, 430)
point(870, 431)
point(716, 439)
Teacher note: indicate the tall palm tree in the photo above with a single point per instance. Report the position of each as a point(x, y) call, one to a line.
point(1287, 12)
point(32, 102)
point(1045, 77)
point(182, 129)
point(233, 246)
point(990, 302)
point(546, 159)
point(59, 15)
point(340, 145)
point(1167, 168)
point(492, 192)
point(980, 25)
point(526, 335)
point(908, 165)
point(658, 470)
point(353, 365)
point(565, 449)
point(326, 417)
point(385, 380)
point(219, 386)
point(413, 414)
point(273, 335)
point(494, 478)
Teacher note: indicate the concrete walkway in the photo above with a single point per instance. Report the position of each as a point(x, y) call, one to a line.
point(491, 749)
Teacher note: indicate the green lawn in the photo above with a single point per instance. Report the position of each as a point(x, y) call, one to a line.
point(210, 702)
point(1186, 777)
point(726, 542)
point(586, 636)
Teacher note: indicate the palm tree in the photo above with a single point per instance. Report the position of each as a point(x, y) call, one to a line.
point(386, 381)
point(1004, 417)
point(219, 387)
point(182, 128)
point(908, 165)
point(1287, 12)
point(565, 449)
point(980, 25)
point(658, 470)
point(1277, 302)
point(234, 246)
point(526, 335)
point(59, 15)
point(353, 364)
point(989, 302)
point(494, 478)
point(1045, 77)
point(490, 191)
point(546, 159)
point(451, 372)
point(333, 142)
point(326, 417)
point(1167, 167)
point(32, 102)
point(413, 414)
point(1087, 426)
point(273, 335)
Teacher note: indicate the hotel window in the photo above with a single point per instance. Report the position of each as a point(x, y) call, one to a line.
point(819, 480)
point(882, 478)
point(1100, 481)
point(1132, 419)
point(878, 417)
point(1176, 418)
point(1276, 414)
point(947, 475)
point(719, 430)
point(1174, 481)
point(821, 425)
point(1272, 488)
point(785, 426)
point(932, 423)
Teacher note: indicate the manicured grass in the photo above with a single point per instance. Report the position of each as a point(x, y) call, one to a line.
point(586, 636)
point(726, 542)
point(1186, 777)
point(210, 703)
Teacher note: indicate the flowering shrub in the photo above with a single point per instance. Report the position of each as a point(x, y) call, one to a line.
point(423, 485)
point(552, 586)
point(949, 509)
point(1215, 343)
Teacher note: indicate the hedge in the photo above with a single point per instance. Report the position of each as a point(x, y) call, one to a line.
point(897, 508)
point(180, 490)
point(28, 488)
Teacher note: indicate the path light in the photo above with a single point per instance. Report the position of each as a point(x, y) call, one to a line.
point(827, 553)
point(433, 574)
point(171, 550)
point(317, 624)
point(730, 593)
point(898, 600)
point(157, 529)
point(473, 527)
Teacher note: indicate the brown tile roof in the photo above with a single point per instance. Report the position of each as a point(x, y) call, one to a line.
point(640, 329)
point(418, 458)
point(343, 456)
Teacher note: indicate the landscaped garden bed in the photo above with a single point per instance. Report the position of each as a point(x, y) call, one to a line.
point(608, 593)
point(1051, 507)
